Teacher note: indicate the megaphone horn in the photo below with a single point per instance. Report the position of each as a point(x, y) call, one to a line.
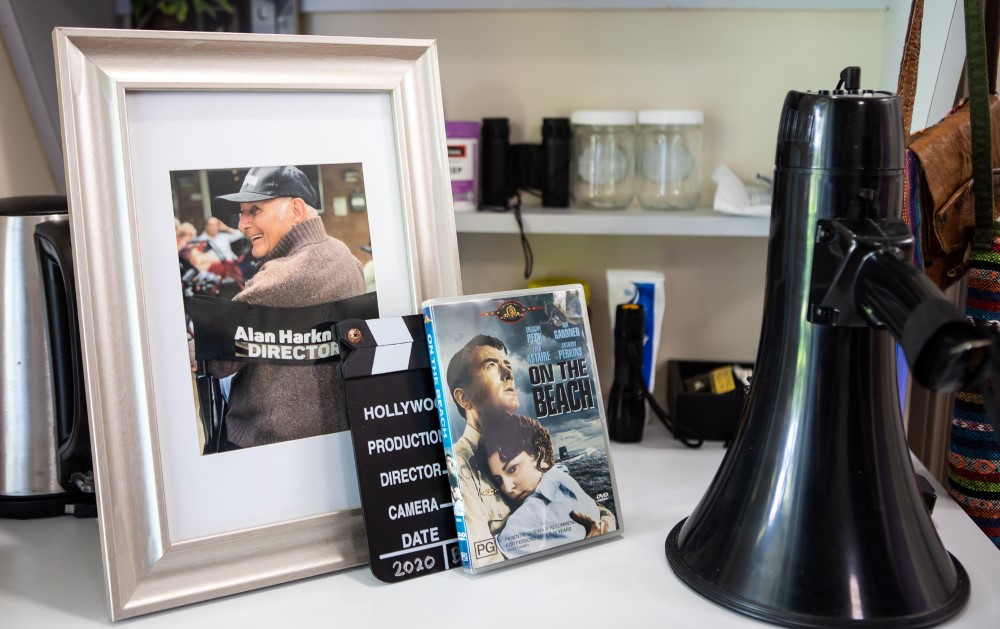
point(815, 518)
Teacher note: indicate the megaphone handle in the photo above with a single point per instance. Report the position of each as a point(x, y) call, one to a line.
point(944, 350)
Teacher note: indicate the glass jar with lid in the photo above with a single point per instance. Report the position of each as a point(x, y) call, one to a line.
point(668, 174)
point(603, 163)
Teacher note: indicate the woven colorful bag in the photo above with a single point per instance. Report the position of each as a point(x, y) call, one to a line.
point(974, 452)
point(974, 457)
point(956, 234)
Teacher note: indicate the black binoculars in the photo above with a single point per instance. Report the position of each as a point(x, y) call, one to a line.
point(542, 169)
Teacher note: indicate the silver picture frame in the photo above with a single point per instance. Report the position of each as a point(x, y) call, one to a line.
point(145, 569)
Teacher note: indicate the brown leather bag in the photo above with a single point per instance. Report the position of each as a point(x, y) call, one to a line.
point(939, 165)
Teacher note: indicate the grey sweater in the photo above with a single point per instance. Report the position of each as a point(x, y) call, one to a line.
point(273, 403)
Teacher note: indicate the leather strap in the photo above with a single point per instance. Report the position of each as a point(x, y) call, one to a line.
point(979, 118)
point(907, 85)
point(982, 35)
point(992, 19)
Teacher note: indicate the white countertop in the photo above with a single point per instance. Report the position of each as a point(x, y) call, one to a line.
point(50, 572)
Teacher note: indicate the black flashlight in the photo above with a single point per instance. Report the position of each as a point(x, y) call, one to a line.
point(627, 401)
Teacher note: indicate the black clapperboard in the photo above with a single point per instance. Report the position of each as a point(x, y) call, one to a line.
point(405, 493)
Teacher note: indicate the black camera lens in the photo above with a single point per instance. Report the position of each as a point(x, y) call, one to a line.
point(495, 182)
point(555, 162)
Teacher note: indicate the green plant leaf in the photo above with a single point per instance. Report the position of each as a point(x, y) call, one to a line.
point(142, 10)
point(212, 7)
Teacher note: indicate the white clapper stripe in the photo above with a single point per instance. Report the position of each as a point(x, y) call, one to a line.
point(391, 358)
point(394, 344)
point(389, 331)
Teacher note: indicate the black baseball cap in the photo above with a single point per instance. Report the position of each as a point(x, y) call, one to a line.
point(268, 182)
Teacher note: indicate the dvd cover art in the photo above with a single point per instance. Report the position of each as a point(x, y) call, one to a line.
point(523, 423)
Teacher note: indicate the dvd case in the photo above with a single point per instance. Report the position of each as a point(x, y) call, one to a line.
point(522, 422)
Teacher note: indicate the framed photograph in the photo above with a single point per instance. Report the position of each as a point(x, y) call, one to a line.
point(202, 135)
point(265, 274)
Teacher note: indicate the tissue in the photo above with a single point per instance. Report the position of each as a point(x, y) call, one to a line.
point(732, 196)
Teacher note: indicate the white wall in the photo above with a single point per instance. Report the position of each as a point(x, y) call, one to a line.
point(23, 169)
point(736, 66)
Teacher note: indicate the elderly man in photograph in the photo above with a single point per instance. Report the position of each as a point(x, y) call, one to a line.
point(298, 265)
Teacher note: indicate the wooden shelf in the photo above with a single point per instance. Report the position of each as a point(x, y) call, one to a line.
point(631, 222)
